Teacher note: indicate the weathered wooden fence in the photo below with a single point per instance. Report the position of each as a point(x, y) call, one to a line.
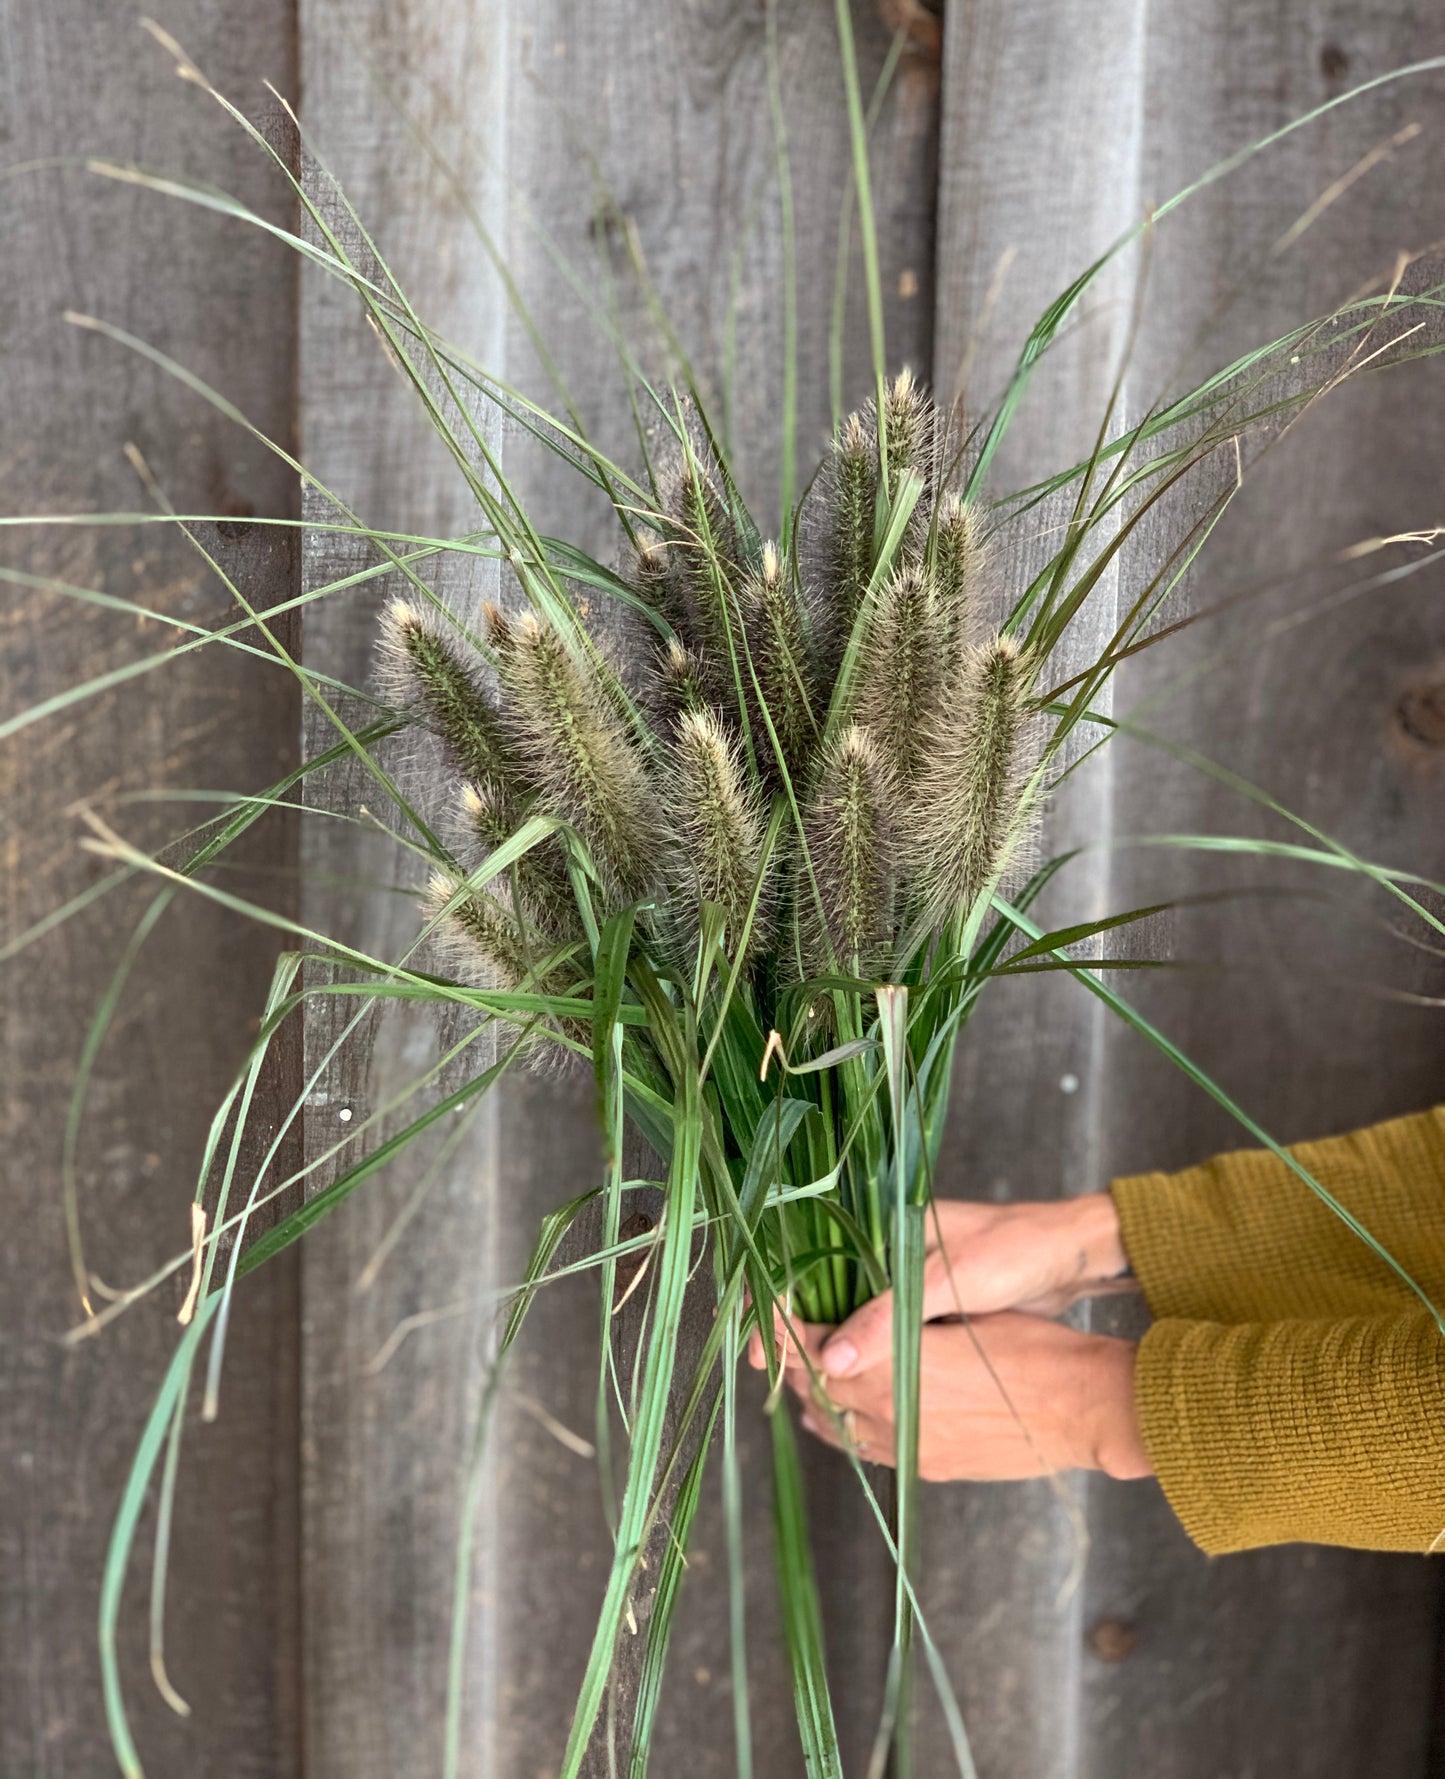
point(311, 1587)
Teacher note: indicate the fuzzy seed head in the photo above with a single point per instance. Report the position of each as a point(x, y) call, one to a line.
point(970, 813)
point(483, 942)
point(661, 578)
point(683, 687)
point(499, 629)
point(480, 935)
point(777, 636)
point(709, 549)
point(651, 555)
point(901, 668)
point(906, 412)
point(915, 432)
point(719, 824)
point(852, 497)
point(695, 594)
point(577, 757)
point(541, 891)
point(851, 846)
point(430, 675)
point(483, 818)
point(958, 562)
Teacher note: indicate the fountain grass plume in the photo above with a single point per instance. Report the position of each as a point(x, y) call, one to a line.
point(578, 759)
point(959, 561)
point(718, 823)
point(851, 842)
point(775, 623)
point(424, 668)
point(905, 663)
point(971, 810)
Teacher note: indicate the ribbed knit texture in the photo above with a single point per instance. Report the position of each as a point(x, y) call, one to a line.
point(1293, 1386)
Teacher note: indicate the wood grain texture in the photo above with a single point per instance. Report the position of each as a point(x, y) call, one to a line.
point(1290, 1660)
point(385, 1441)
point(77, 79)
point(678, 120)
point(1037, 170)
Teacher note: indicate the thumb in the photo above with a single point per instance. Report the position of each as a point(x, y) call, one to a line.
point(864, 1340)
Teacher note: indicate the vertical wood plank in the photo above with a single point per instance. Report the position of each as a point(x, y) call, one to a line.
point(78, 80)
point(1038, 168)
point(1161, 1661)
point(385, 1439)
point(675, 107)
point(1291, 1658)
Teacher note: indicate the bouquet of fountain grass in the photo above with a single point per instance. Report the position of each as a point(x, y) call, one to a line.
point(757, 887)
point(818, 786)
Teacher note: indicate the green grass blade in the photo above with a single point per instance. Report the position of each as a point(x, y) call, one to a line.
point(802, 1612)
point(1136, 1020)
point(908, 1244)
point(122, 1537)
point(671, 1273)
point(664, 1604)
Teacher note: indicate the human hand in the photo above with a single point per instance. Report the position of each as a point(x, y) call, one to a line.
point(981, 1258)
point(1002, 1397)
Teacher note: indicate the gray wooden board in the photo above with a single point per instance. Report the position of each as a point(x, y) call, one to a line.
point(384, 1449)
point(680, 125)
point(1036, 171)
point(1295, 1660)
point(78, 79)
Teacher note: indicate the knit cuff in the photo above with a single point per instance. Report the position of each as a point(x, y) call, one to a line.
point(1322, 1432)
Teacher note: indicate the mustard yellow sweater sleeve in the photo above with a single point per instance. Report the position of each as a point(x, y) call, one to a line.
point(1243, 1239)
point(1292, 1387)
point(1321, 1432)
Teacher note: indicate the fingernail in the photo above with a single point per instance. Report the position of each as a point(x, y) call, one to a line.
point(839, 1358)
point(810, 1425)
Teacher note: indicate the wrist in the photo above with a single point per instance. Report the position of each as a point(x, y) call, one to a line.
point(1116, 1445)
point(1094, 1236)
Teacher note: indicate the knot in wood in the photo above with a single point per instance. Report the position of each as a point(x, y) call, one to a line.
point(1113, 1640)
point(1420, 713)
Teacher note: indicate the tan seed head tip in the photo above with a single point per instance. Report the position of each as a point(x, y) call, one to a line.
point(772, 567)
point(400, 615)
point(439, 891)
point(856, 743)
point(697, 725)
